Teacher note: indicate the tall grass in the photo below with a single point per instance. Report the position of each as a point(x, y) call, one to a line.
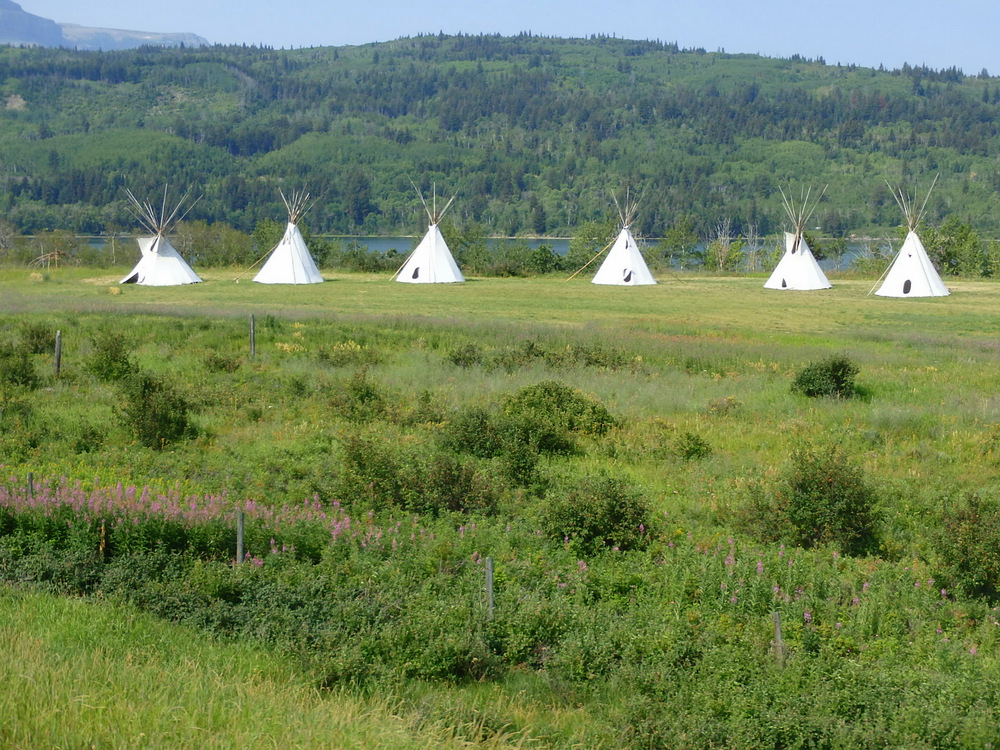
point(80, 674)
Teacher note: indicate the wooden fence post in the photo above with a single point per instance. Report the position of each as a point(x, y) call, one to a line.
point(489, 587)
point(58, 355)
point(253, 338)
point(31, 485)
point(239, 537)
point(779, 644)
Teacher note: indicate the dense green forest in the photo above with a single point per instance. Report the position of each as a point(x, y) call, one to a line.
point(531, 133)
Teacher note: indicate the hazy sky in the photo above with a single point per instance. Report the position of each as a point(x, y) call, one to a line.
point(937, 33)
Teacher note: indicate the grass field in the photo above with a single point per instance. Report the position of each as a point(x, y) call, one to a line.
point(364, 395)
point(81, 674)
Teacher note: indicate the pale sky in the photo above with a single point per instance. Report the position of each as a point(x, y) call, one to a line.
point(937, 33)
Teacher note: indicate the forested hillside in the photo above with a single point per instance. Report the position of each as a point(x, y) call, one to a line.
point(532, 133)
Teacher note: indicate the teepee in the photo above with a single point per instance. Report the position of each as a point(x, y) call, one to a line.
point(912, 274)
point(798, 270)
point(160, 264)
point(624, 264)
point(290, 261)
point(431, 262)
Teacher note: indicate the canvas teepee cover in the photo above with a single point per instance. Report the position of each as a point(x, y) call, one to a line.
point(160, 264)
point(431, 262)
point(798, 270)
point(624, 265)
point(290, 261)
point(912, 274)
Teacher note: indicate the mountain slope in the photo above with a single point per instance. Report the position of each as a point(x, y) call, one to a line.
point(18, 27)
point(533, 133)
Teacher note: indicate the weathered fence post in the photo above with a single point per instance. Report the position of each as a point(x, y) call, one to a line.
point(253, 338)
point(239, 537)
point(489, 587)
point(31, 485)
point(779, 644)
point(58, 356)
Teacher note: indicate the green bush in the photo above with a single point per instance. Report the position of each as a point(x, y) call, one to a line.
point(360, 399)
point(558, 404)
point(155, 411)
point(217, 362)
point(603, 512)
point(833, 376)
point(822, 498)
point(109, 359)
point(16, 367)
point(380, 475)
point(37, 338)
point(691, 447)
point(970, 543)
point(466, 355)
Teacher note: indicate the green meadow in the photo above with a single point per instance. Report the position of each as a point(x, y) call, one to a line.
point(641, 465)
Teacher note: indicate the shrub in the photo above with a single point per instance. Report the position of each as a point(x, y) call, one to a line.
point(216, 362)
point(691, 447)
point(970, 543)
point(359, 399)
point(474, 431)
point(602, 512)
point(833, 376)
point(16, 367)
point(557, 404)
point(109, 359)
point(466, 355)
point(155, 411)
point(382, 475)
point(37, 338)
point(822, 499)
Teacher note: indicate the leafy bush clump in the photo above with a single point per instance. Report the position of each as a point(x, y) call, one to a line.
point(360, 399)
point(603, 512)
point(822, 498)
point(466, 355)
point(109, 359)
point(217, 362)
point(563, 407)
point(381, 475)
point(970, 544)
point(16, 367)
point(833, 376)
point(37, 338)
point(156, 413)
point(692, 447)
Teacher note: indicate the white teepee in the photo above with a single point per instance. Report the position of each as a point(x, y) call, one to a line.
point(290, 261)
point(160, 264)
point(624, 264)
point(431, 262)
point(798, 270)
point(912, 274)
